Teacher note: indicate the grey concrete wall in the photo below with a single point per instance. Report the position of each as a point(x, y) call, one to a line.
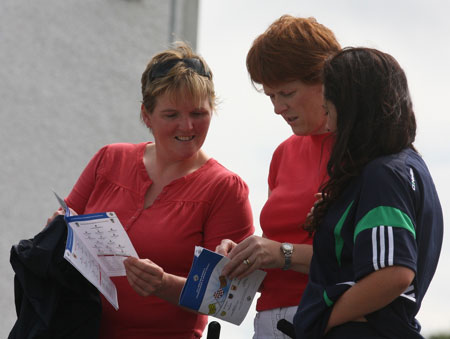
point(69, 84)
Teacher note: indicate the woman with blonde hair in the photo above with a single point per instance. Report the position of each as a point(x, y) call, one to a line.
point(169, 195)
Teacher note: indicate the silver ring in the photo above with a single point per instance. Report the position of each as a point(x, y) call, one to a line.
point(246, 262)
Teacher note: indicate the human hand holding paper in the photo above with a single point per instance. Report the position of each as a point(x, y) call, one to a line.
point(251, 254)
point(144, 276)
point(147, 278)
point(62, 210)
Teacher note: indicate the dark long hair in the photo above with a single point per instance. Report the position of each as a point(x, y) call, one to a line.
point(375, 116)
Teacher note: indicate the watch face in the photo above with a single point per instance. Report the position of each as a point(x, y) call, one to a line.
point(287, 247)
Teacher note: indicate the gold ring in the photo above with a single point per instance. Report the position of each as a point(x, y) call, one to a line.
point(247, 262)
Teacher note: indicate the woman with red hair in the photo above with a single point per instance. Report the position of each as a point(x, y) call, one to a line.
point(287, 60)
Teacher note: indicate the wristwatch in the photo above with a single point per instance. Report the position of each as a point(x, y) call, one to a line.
point(287, 249)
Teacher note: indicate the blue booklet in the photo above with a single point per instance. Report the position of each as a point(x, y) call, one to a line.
point(208, 292)
point(96, 245)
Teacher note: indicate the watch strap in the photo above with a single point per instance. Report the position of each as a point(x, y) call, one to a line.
point(287, 255)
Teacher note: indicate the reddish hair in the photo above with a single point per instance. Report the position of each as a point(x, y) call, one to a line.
point(291, 49)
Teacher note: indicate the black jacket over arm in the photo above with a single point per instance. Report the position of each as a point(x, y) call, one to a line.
point(53, 300)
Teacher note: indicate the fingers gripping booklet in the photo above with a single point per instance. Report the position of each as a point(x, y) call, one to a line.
point(208, 292)
point(96, 245)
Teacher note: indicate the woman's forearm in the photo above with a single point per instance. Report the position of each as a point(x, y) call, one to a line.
point(301, 258)
point(171, 288)
point(371, 293)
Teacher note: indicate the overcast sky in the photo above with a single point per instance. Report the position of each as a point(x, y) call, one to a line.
point(245, 131)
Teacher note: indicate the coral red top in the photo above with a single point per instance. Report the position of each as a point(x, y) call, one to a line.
point(297, 169)
point(201, 208)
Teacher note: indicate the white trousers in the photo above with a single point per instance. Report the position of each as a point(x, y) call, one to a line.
point(265, 323)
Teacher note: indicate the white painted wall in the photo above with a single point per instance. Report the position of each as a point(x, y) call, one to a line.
point(69, 83)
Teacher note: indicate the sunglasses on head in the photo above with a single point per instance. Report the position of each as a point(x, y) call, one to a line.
point(162, 68)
